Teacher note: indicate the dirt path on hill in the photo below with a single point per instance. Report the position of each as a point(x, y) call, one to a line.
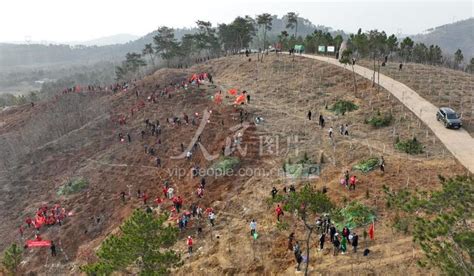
point(458, 142)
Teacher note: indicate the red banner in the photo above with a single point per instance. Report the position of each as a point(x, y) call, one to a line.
point(32, 243)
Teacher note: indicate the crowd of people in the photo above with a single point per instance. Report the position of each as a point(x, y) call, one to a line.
point(46, 216)
point(189, 217)
point(185, 216)
point(327, 231)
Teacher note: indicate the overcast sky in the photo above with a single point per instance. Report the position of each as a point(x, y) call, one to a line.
point(80, 20)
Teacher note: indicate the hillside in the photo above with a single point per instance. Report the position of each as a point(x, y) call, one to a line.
point(440, 86)
point(450, 37)
point(76, 136)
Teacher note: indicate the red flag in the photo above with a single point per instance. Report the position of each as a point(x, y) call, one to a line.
point(372, 230)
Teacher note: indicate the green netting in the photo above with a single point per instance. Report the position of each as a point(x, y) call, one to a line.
point(355, 214)
point(366, 165)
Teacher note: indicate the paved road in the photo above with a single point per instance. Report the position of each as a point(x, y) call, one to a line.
point(458, 142)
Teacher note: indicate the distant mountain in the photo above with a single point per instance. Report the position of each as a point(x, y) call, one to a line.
point(50, 54)
point(107, 40)
point(450, 37)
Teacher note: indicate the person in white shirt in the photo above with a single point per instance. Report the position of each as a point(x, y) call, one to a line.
point(170, 193)
point(253, 227)
point(212, 217)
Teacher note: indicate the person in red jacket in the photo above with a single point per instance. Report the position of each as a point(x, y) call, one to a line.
point(279, 212)
point(352, 182)
point(158, 200)
point(179, 203)
point(189, 242)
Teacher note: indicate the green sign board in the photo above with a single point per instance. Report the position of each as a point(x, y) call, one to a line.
point(321, 48)
point(299, 48)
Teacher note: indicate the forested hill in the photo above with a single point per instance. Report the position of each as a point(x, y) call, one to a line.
point(38, 54)
point(450, 37)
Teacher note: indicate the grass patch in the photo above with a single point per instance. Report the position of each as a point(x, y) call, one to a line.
point(73, 186)
point(402, 224)
point(366, 165)
point(355, 214)
point(282, 226)
point(225, 164)
point(410, 146)
point(378, 120)
point(342, 106)
point(278, 199)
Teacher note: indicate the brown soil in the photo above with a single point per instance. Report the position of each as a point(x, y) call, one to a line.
point(282, 91)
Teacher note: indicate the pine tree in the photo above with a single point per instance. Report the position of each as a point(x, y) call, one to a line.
point(309, 203)
point(11, 259)
point(470, 66)
point(165, 44)
point(440, 223)
point(292, 22)
point(458, 57)
point(143, 244)
point(148, 50)
point(265, 20)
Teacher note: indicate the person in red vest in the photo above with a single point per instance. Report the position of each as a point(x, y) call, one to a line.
point(189, 242)
point(165, 191)
point(158, 200)
point(209, 209)
point(279, 212)
point(352, 182)
point(178, 203)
